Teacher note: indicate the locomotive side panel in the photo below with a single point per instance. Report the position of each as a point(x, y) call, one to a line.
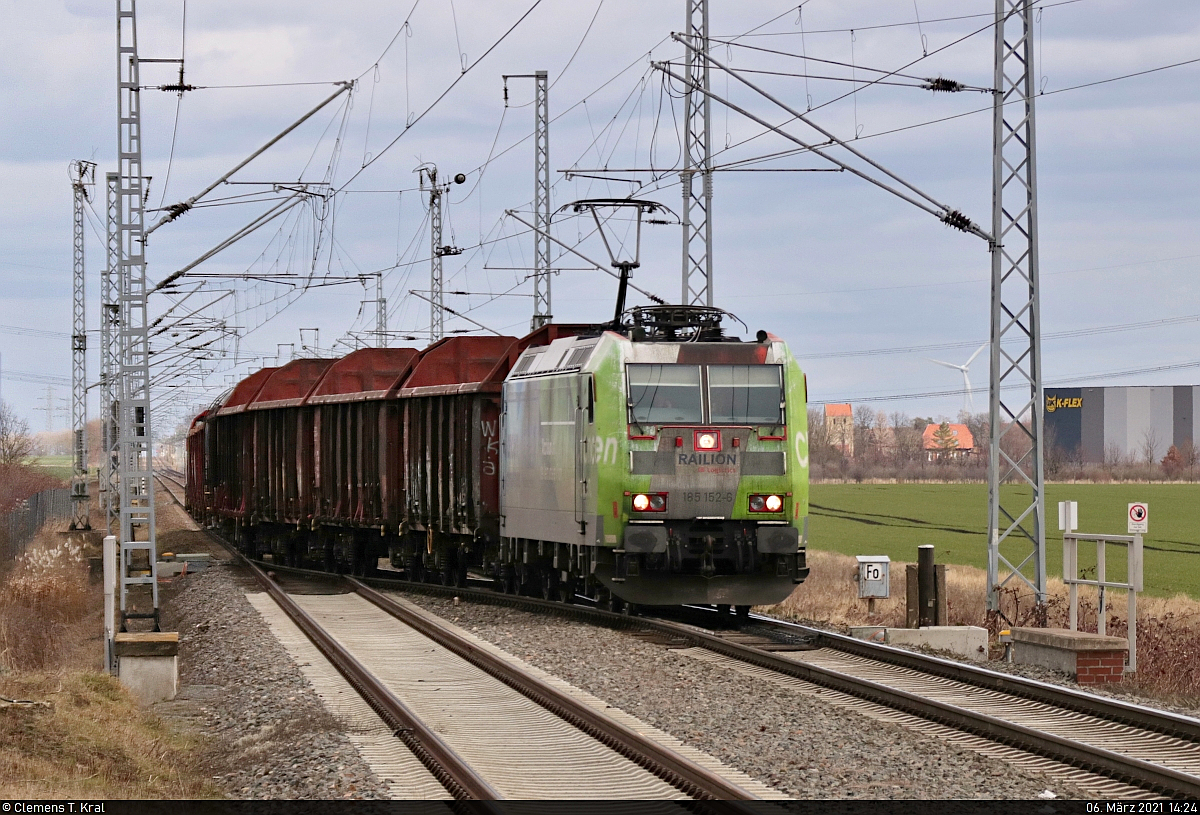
point(539, 478)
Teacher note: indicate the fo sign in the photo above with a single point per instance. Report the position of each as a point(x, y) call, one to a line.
point(1139, 518)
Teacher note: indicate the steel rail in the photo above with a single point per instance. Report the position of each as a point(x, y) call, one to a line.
point(1114, 765)
point(675, 769)
point(447, 766)
point(1160, 721)
point(459, 779)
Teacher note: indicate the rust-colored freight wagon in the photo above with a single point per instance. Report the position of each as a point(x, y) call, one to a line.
point(385, 452)
point(273, 471)
point(229, 446)
point(350, 463)
point(193, 495)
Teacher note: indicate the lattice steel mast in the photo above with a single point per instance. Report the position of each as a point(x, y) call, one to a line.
point(1016, 520)
point(437, 291)
point(135, 442)
point(381, 338)
point(110, 326)
point(697, 157)
point(83, 176)
point(542, 313)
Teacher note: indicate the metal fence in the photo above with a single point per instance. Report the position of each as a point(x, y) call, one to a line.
point(18, 528)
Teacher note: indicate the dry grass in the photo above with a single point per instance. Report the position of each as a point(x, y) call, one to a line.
point(1168, 628)
point(91, 741)
point(44, 595)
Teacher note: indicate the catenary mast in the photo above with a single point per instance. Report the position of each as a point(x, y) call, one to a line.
point(697, 119)
point(135, 442)
point(1016, 520)
point(83, 177)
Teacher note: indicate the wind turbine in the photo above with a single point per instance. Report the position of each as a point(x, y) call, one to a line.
point(968, 401)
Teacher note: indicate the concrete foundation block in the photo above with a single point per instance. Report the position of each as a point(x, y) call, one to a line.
point(148, 664)
point(1092, 659)
point(967, 641)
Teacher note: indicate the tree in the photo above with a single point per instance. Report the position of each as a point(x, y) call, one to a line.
point(943, 437)
point(1150, 445)
point(16, 443)
point(1172, 462)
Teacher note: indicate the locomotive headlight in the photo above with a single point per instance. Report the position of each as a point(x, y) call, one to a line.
point(707, 440)
point(650, 502)
point(766, 503)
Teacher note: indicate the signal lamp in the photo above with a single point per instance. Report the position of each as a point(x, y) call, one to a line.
point(707, 440)
point(766, 503)
point(650, 502)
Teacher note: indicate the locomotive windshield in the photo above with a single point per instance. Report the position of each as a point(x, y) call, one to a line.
point(745, 394)
point(660, 394)
point(737, 394)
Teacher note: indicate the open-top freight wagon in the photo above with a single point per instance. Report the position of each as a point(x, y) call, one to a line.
point(658, 465)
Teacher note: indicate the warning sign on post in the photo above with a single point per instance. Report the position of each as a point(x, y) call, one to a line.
point(1139, 518)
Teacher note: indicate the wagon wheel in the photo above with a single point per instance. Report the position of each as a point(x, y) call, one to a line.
point(509, 577)
point(416, 569)
point(449, 572)
point(566, 590)
point(527, 579)
point(550, 584)
point(743, 614)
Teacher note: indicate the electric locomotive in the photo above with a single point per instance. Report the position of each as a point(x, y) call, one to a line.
point(661, 464)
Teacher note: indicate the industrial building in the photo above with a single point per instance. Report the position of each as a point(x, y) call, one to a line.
point(1125, 421)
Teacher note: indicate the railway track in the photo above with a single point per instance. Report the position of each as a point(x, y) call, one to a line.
point(1110, 747)
point(1105, 745)
point(535, 729)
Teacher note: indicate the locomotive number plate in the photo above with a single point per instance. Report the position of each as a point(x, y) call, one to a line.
point(707, 497)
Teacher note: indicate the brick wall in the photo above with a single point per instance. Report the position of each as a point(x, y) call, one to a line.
point(1099, 667)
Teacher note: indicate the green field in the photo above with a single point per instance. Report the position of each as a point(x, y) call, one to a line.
point(894, 519)
point(57, 466)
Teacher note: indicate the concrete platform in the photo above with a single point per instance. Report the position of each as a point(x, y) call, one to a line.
point(1092, 659)
point(148, 664)
point(967, 641)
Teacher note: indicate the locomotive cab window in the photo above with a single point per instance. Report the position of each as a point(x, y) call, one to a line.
point(745, 394)
point(664, 394)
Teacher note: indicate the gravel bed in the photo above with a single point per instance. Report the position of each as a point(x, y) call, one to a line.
point(267, 732)
point(1120, 692)
point(793, 742)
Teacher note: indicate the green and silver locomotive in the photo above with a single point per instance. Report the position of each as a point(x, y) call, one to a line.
point(657, 465)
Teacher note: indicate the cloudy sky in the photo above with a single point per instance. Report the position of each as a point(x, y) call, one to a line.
point(827, 261)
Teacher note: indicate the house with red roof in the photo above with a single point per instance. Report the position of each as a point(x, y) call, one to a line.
point(947, 442)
